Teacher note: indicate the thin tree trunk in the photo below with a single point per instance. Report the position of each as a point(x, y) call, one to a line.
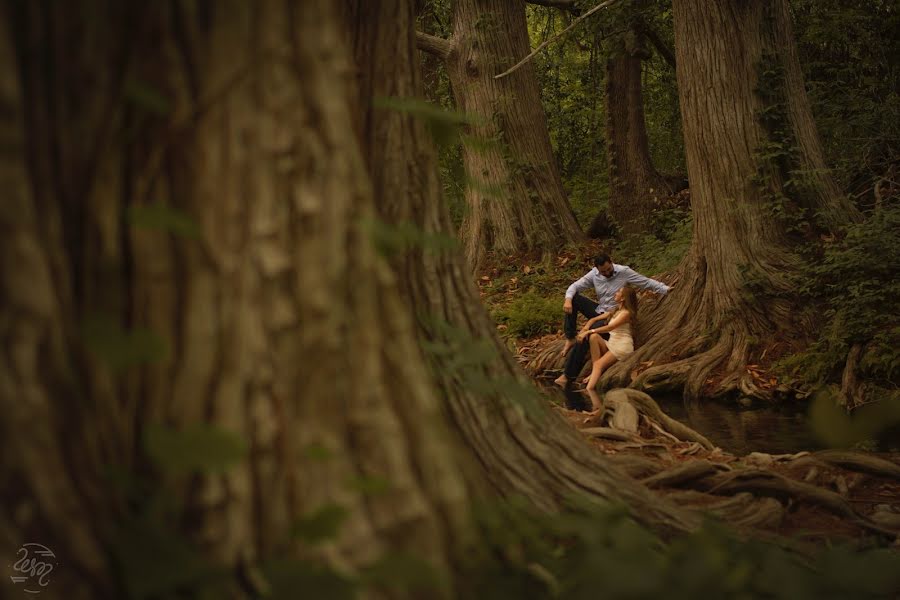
point(635, 183)
point(515, 196)
point(735, 291)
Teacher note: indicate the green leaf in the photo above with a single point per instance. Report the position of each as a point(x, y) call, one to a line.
point(402, 571)
point(293, 579)
point(154, 561)
point(143, 95)
point(120, 348)
point(317, 452)
point(199, 447)
point(370, 486)
point(321, 525)
point(163, 217)
point(444, 125)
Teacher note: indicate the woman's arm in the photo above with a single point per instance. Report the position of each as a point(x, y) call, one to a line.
point(592, 320)
point(620, 319)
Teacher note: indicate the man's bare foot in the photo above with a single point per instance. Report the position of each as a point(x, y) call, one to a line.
point(567, 347)
point(562, 380)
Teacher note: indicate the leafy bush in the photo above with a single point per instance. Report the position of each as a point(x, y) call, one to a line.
point(856, 282)
point(652, 254)
point(530, 314)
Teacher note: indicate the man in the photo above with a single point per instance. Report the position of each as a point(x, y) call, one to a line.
point(606, 278)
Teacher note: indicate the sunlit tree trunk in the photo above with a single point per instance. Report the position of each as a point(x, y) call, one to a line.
point(514, 196)
point(225, 209)
point(735, 292)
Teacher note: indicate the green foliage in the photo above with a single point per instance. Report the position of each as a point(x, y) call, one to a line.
point(855, 282)
point(120, 348)
point(289, 579)
point(530, 314)
point(596, 551)
point(153, 561)
point(849, 51)
point(199, 447)
point(163, 217)
point(445, 126)
point(321, 525)
point(658, 252)
point(391, 239)
point(147, 97)
point(838, 429)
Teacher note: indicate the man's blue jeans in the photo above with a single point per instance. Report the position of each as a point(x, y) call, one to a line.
point(579, 353)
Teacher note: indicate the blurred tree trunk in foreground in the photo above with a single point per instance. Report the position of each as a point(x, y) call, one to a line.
point(200, 322)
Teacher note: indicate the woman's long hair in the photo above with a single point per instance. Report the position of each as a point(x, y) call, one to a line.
point(630, 301)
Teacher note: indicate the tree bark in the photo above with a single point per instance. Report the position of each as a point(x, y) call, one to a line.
point(241, 126)
point(481, 395)
point(635, 183)
point(734, 291)
point(515, 196)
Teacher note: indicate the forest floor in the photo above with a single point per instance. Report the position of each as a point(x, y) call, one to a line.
point(818, 496)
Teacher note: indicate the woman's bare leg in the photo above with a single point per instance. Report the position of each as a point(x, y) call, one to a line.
point(600, 365)
point(598, 349)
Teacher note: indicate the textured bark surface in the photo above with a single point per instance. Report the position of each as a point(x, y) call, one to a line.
point(820, 192)
point(258, 308)
point(515, 196)
point(520, 447)
point(734, 292)
point(246, 123)
point(635, 184)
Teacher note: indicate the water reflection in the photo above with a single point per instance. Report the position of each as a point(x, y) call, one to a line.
point(775, 429)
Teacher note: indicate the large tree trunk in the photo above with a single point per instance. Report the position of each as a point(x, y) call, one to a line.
point(735, 292)
point(514, 195)
point(482, 388)
point(256, 268)
point(635, 183)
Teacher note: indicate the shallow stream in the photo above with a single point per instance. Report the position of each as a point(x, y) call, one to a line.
point(774, 429)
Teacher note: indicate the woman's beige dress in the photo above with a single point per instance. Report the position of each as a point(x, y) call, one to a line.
point(620, 342)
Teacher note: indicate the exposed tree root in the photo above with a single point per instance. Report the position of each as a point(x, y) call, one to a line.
point(857, 461)
point(648, 406)
point(690, 376)
point(756, 495)
point(684, 473)
point(743, 510)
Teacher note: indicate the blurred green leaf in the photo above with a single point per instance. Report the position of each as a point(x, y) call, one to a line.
point(321, 525)
point(145, 96)
point(120, 348)
point(199, 447)
point(400, 571)
point(163, 217)
point(317, 452)
point(445, 126)
point(153, 561)
point(294, 579)
point(370, 486)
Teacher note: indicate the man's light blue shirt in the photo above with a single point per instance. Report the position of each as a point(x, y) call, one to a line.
point(606, 288)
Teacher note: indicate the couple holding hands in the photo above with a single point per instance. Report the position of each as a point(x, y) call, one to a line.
point(607, 333)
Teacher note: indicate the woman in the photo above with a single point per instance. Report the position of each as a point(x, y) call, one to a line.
point(620, 343)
